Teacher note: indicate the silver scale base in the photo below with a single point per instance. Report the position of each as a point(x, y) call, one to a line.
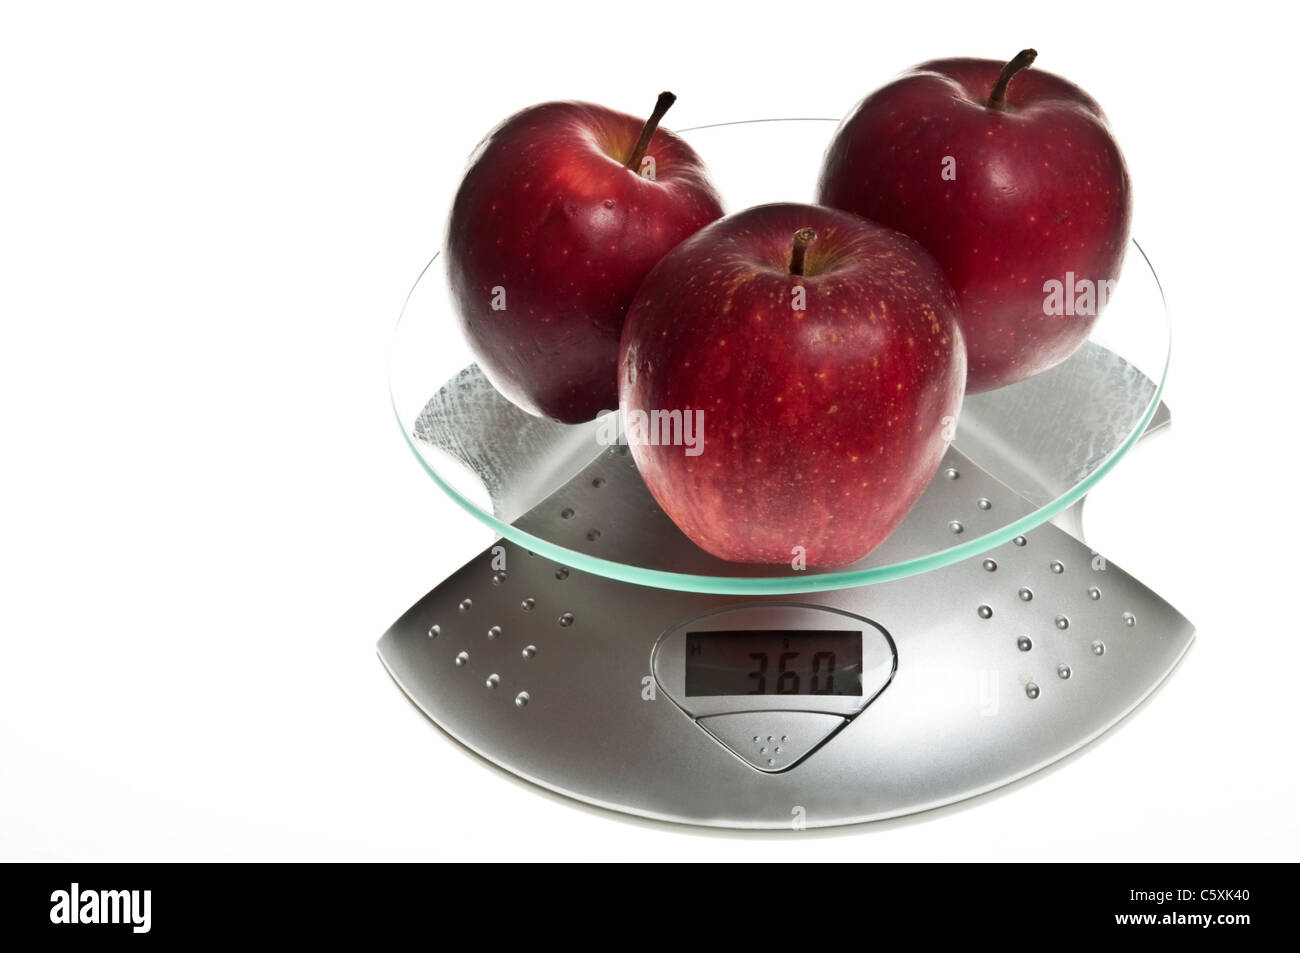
point(975, 674)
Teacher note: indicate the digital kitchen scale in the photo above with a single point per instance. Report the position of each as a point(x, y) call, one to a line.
point(594, 650)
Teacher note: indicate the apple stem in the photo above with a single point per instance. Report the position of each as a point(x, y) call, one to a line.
point(662, 105)
point(802, 239)
point(998, 98)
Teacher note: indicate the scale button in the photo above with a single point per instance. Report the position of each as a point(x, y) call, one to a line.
point(792, 734)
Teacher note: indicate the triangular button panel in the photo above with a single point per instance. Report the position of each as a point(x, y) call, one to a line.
point(772, 741)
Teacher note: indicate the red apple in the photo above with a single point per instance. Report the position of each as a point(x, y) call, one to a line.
point(818, 358)
point(563, 210)
point(1013, 181)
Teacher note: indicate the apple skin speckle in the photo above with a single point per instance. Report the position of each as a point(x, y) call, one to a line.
point(1041, 189)
point(548, 212)
point(828, 419)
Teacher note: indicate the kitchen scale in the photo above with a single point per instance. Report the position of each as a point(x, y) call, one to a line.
point(594, 650)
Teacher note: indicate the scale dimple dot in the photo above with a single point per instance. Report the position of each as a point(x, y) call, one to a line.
point(762, 751)
point(1026, 595)
point(1062, 622)
point(566, 620)
point(1063, 671)
point(1024, 643)
point(1031, 690)
point(494, 632)
point(1094, 593)
point(1098, 648)
point(985, 612)
point(951, 473)
point(462, 658)
point(561, 574)
point(529, 651)
point(435, 631)
point(566, 513)
point(984, 504)
point(990, 565)
point(521, 699)
point(493, 680)
point(956, 526)
point(498, 578)
point(777, 749)
point(1130, 619)
point(1020, 541)
point(785, 737)
point(1057, 566)
point(527, 604)
point(593, 535)
point(598, 482)
point(466, 605)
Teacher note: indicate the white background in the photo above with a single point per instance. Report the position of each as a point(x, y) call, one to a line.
point(211, 214)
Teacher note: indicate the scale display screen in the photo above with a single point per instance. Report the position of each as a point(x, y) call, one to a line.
point(774, 662)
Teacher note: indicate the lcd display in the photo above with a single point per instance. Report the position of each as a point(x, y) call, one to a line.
point(774, 662)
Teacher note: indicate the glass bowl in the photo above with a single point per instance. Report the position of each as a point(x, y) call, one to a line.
point(1020, 456)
